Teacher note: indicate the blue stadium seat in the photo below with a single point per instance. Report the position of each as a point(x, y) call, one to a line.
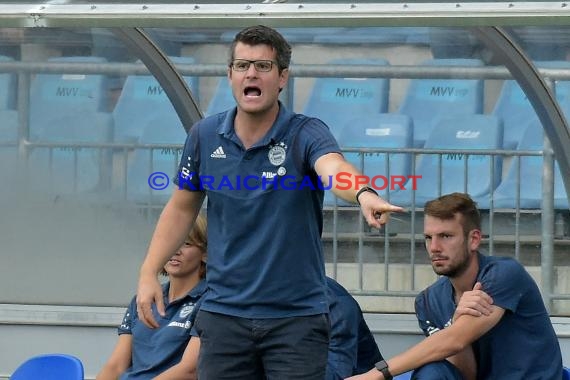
point(7, 87)
point(145, 115)
point(463, 133)
point(336, 100)
point(404, 376)
point(67, 109)
point(541, 43)
point(297, 35)
point(418, 35)
point(376, 35)
point(515, 110)
point(106, 44)
point(186, 35)
point(308, 34)
point(50, 367)
point(143, 101)
point(377, 131)
point(365, 35)
point(454, 42)
point(143, 162)
point(505, 196)
point(222, 100)
point(427, 101)
point(565, 373)
point(229, 35)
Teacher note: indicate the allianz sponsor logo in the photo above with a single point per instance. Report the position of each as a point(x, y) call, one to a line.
point(467, 134)
point(218, 153)
point(185, 325)
point(268, 175)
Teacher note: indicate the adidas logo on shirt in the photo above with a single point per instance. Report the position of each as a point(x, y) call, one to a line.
point(218, 153)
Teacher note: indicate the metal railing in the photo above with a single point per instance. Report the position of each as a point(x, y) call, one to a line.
point(25, 69)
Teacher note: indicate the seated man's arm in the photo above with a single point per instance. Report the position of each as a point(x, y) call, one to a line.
point(120, 359)
point(187, 368)
point(476, 303)
point(446, 342)
point(441, 345)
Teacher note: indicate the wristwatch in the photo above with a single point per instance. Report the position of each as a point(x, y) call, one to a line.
point(364, 189)
point(382, 366)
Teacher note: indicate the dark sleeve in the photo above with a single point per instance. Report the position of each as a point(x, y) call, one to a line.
point(421, 307)
point(318, 141)
point(343, 347)
point(505, 281)
point(187, 176)
point(126, 325)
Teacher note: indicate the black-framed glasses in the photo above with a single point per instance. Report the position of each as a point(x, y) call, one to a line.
point(263, 65)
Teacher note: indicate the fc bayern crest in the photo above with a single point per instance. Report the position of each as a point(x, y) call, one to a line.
point(277, 154)
point(186, 310)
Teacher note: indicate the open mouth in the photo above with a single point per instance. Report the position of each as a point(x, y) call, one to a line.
point(252, 91)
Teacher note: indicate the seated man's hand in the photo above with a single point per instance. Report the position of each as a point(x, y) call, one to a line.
point(474, 302)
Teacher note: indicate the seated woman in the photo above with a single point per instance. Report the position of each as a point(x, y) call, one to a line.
point(171, 350)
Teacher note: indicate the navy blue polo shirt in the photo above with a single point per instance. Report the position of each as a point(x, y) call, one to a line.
point(156, 350)
point(264, 213)
point(523, 344)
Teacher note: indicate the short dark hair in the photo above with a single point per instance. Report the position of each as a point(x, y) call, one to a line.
point(446, 206)
point(264, 35)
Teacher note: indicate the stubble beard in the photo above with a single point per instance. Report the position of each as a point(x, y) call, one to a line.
point(458, 269)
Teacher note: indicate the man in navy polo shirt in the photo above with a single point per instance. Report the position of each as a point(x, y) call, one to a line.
point(484, 318)
point(266, 313)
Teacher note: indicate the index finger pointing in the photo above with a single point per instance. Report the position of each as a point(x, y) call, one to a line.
point(392, 208)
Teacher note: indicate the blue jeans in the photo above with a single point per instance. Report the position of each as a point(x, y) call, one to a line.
point(259, 349)
point(442, 370)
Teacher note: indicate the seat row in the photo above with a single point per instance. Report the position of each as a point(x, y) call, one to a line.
point(310, 35)
point(331, 99)
point(427, 101)
point(68, 109)
point(462, 153)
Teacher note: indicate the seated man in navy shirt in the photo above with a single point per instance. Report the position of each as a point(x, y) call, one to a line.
point(352, 348)
point(484, 318)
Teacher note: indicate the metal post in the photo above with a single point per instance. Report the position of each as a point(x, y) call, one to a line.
point(547, 252)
